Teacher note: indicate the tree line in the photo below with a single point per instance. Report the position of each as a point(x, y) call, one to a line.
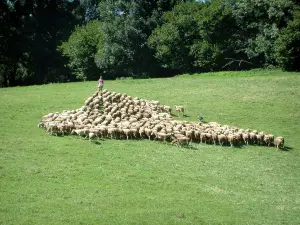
point(44, 41)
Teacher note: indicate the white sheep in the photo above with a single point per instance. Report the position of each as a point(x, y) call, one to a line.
point(279, 142)
point(179, 109)
point(92, 136)
point(117, 115)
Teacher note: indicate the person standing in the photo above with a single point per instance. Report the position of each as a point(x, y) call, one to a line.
point(100, 84)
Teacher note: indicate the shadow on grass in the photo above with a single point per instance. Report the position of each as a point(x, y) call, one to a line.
point(286, 148)
point(97, 142)
point(178, 115)
point(190, 147)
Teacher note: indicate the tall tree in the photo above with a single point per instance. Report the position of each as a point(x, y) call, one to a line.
point(172, 40)
point(126, 26)
point(30, 35)
point(81, 48)
point(195, 36)
point(89, 8)
point(287, 46)
point(259, 24)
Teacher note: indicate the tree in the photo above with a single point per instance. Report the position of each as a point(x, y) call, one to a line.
point(195, 36)
point(89, 8)
point(259, 23)
point(81, 49)
point(172, 40)
point(287, 46)
point(216, 26)
point(29, 35)
point(126, 26)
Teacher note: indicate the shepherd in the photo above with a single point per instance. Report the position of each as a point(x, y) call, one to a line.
point(100, 84)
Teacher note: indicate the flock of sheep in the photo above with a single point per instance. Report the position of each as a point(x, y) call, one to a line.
point(115, 115)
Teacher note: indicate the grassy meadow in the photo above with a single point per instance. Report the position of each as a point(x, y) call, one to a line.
point(64, 180)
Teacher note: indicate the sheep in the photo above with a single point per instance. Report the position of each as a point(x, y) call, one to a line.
point(202, 137)
point(61, 129)
point(113, 132)
point(102, 131)
point(260, 139)
point(252, 138)
point(239, 138)
point(197, 135)
point(134, 132)
point(279, 142)
point(190, 134)
point(127, 133)
point(179, 109)
point(180, 140)
point(81, 133)
point(53, 129)
point(246, 137)
point(208, 138)
point(41, 125)
point(231, 139)
point(96, 131)
point(222, 139)
point(162, 136)
point(214, 137)
point(167, 109)
point(116, 115)
point(269, 139)
point(92, 136)
point(148, 133)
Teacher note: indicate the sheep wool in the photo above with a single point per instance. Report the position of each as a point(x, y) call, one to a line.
point(119, 116)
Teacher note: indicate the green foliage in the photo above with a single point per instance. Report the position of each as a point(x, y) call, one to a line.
point(287, 46)
point(29, 35)
point(194, 36)
point(126, 26)
point(216, 26)
point(259, 23)
point(137, 38)
point(81, 49)
point(172, 41)
point(206, 54)
point(90, 9)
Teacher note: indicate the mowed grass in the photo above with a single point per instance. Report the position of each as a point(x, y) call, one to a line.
point(64, 180)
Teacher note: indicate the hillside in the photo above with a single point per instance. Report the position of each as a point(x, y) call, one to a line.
point(65, 180)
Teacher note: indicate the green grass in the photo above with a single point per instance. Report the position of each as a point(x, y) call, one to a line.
point(65, 180)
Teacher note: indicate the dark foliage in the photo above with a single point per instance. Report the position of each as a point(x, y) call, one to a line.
point(44, 41)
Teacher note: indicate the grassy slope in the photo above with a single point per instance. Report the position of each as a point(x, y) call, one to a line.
point(52, 180)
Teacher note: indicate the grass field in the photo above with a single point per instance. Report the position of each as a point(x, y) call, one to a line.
point(64, 180)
